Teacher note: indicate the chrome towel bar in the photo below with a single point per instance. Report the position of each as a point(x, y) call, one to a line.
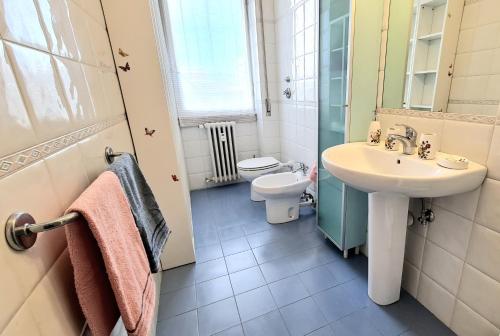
point(21, 228)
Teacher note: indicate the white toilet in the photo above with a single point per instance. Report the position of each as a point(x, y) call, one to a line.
point(250, 169)
point(282, 193)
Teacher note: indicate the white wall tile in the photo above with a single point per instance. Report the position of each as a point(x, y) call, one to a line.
point(488, 210)
point(471, 140)
point(450, 232)
point(464, 204)
point(19, 23)
point(55, 16)
point(411, 277)
point(442, 267)
point(494, 155)
point(466, 322)
point(41, 91)
point(14, 118)
point(481, 293)
point(484, 251)
point(414, 248)
point(435, 298)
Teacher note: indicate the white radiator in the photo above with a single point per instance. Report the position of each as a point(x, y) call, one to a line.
point(222, 140)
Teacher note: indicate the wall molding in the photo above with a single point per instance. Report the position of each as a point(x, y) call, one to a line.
point(473, 118)
point(14, 162)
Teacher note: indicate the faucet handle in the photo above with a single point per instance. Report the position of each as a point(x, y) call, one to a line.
point(411, 133)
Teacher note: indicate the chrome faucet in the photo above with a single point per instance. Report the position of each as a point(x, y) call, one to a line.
point(301, 167)
point(409, 140)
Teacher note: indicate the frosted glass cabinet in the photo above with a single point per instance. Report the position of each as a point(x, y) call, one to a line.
point(347, 95)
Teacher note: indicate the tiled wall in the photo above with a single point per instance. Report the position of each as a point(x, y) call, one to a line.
point(60, 106)
point(452, 266)
point(296, 52)
point(268, 125)
point(475, 87)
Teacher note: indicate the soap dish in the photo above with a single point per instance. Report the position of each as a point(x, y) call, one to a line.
point(453, 162)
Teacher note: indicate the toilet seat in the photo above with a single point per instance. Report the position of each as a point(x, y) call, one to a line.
point(258, 164)
point(250, 169)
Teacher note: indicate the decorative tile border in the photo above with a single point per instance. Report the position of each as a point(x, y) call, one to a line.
point(473, 118)
point(17, 161)
point(474, 102)
point(470, 2)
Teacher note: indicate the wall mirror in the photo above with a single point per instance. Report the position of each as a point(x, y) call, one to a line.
point(421, 46)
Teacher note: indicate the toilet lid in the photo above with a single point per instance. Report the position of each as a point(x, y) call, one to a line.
point(258, 163)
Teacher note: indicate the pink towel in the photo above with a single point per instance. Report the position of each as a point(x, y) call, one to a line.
point(313, 175)
point(111, 269)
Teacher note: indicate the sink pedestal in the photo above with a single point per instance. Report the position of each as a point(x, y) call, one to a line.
point(387, 221)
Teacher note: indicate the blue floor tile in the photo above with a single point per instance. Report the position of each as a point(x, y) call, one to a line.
point(278, 269)
point(210, 270)
point(234, 331)
point(288, 290)
point(177, 278)
point(217, 317)
point(325, 331)
point(234, 246)
point(270, 266)
point(356, 324)
point(177, 302)
point(213, 290)
point(270, 324)
point(181, 325)
point(209, 252)
point(254, 303)
point(318, 279)
point(240, 261)
point(247, 279)
point(341, 300)
point(302, 317)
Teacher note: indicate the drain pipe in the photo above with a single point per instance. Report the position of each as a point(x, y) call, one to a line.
point(307, 199)
point(426, 214)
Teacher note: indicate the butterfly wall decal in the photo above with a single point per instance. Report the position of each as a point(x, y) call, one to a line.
point(149, 132)
point(125, 68)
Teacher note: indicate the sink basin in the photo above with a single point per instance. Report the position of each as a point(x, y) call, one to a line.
point(372, 168)
point(391, 178)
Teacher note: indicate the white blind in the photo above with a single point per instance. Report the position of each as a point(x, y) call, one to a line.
point(211, 67)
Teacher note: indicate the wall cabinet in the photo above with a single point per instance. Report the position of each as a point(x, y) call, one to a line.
point(431, 52)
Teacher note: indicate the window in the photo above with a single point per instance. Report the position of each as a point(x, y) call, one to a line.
point(210, 58)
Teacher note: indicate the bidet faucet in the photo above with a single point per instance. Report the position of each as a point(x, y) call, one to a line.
point(409, 140)
point(301, 167)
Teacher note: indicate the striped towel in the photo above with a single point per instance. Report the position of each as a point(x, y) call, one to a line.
point(148, 218)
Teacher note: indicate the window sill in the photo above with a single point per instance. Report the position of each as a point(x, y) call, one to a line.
point(196, 121)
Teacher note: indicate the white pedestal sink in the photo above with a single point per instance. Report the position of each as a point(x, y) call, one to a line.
point(391, 178)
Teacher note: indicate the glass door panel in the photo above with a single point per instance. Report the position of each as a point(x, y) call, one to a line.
point(334, 41)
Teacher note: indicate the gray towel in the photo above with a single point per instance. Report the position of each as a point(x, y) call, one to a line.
point(148, 218)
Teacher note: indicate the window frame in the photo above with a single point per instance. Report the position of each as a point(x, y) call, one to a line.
point(173, 70)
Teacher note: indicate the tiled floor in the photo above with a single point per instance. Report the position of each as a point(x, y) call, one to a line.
point(253, 278)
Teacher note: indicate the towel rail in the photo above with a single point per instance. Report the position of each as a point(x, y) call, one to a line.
point(21, 228)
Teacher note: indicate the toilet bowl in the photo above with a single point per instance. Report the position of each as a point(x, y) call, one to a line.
point(282, 193)
point(251, 169)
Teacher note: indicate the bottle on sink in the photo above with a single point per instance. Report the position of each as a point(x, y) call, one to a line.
point(374, 133)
